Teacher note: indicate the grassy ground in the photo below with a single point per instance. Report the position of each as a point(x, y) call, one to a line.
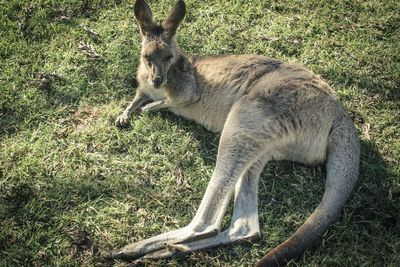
point(72, 185)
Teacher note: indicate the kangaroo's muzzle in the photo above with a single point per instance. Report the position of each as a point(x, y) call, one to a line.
point(157, 78)
point(157, 81)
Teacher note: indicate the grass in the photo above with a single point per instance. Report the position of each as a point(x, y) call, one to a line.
point(73, 185)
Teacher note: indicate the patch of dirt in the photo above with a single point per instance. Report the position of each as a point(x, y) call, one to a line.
point(82, 245)
point(84, 115)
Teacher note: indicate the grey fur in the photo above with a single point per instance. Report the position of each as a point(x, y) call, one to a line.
point(266, 109)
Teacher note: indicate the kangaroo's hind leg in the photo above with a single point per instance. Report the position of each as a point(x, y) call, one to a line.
point(244, 225)
point(245, 140)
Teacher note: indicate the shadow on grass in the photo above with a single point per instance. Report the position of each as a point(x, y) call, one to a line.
point(379, 202)
point(54, 93)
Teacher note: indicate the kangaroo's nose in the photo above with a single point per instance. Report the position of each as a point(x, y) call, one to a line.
point(157, 81)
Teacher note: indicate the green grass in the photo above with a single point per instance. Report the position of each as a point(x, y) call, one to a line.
point(72, 185)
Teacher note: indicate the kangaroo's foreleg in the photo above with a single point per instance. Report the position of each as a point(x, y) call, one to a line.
point(136, 103)
point(244, 225)
point(166, 103)
point(180, 99)
point(156, 105)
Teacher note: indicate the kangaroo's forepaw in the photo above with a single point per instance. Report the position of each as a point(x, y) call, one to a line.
point(122, 120)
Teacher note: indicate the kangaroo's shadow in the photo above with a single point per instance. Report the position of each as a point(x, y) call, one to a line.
point(377, 199)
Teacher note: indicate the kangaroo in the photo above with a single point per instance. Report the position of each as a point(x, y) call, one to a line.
point(266, 110)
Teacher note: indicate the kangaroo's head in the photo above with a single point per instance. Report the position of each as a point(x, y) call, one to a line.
point(159, 48)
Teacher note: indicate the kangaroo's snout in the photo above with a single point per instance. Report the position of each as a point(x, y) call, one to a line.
point(157, 74)
point(157, 81)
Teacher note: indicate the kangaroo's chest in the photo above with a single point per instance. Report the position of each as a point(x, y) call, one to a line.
point(208, 118)
point(154, 94)
point(211, 110)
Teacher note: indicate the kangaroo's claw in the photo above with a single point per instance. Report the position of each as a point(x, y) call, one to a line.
point(122, 120)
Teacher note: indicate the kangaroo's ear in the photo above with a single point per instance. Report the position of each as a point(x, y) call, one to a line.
point(144, 16)
point(174, 18)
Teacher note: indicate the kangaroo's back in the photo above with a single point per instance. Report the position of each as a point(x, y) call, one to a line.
point(223, 80)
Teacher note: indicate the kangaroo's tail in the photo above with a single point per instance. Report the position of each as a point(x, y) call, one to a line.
point(342, 166)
